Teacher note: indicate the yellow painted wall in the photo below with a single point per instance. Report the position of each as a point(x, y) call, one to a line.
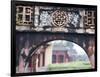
point(48, 55)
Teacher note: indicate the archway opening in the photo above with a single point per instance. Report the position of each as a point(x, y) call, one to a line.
point(59, 55)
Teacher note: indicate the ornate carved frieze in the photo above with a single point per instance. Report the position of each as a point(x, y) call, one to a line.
point(55, 19)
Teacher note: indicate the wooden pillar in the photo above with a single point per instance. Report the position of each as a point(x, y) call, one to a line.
point(38, 60)
point(43, 64)
point(91, 53)
point(34, 62)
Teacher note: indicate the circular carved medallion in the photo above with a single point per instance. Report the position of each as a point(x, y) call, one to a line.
point(59, 18)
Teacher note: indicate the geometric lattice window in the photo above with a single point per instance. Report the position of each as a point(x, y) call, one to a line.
point(89, 19)
point(24, 15)
point(53, 58)
point(60, 58)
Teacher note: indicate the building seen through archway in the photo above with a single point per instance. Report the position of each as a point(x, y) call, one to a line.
point(59, 55)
